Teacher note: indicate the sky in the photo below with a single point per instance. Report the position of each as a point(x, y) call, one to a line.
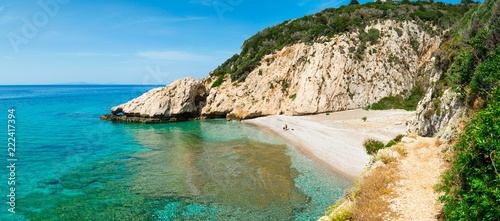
point(131, 41)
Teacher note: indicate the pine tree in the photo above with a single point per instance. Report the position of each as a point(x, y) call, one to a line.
point(355, 2)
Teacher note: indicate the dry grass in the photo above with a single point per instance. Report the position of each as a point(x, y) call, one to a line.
point(387, 156)
point(341, 211)
point(369, 198)
point(399, 185)
point(401, 149)
point(412, 135)
point(376, 189)
point(438, 142)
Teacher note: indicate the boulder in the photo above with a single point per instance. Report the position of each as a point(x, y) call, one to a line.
point(181, 100)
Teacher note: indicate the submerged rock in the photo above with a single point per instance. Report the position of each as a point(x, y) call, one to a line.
point(181, 100)
point(50, 181)
point(76, 181)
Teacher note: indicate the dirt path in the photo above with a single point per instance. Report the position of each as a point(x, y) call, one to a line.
point(420, 171)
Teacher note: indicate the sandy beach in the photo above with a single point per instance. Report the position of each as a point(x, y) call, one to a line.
point(336, 139)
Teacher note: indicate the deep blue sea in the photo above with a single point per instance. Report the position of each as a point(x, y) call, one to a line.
point(70, 165)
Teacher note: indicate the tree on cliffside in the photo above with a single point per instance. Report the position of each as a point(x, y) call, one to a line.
point(354, 2)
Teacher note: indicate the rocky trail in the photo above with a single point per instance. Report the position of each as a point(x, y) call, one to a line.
point(420, 171)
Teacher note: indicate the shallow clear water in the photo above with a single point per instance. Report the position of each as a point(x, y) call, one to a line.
point(73, 166)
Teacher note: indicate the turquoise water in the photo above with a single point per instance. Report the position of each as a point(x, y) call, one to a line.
point(73, 166)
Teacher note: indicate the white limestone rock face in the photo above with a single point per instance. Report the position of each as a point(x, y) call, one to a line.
point(183, 97)
point(438, 113)
point(329, 75)
point(440, 116)
point(326, 76)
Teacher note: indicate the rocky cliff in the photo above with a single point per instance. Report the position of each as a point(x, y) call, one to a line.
point(340, 73)
point(181, 100)
point(439, 112)
point(333, 75)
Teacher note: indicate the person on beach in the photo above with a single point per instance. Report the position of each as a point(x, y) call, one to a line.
point(285, 128)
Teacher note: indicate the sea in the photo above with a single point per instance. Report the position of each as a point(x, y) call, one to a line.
point(61, 162)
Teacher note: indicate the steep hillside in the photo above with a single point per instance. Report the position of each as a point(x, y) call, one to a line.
point(334, 60)
point(471, 186)
point(332, 75)
point(331, 22)
point(459, 80)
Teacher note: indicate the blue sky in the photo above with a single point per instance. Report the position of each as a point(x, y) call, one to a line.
point(131, 41)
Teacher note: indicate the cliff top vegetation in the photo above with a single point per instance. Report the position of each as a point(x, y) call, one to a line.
point(330, 22)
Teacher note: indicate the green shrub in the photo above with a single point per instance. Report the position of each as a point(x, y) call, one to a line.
point(364, 119)
point(293, 96)
point(427, 15)
point(354, 2)
point(486, 77)
point(218, 82)
point(462, 69)
point(399, 31)
point(472, 185)
point(352, 49)
point(396, 140)
point(372, 145)
point(386, 103)
point(414, 44)
point(341, 211)
point(472, 53)
point(399, 102)
point(284, 86)
point(373, 35)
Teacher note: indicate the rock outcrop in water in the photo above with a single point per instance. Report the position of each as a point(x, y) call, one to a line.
point(340, 73)
point(181, 100)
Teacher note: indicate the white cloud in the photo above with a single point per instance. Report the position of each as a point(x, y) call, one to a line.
point(173, 56)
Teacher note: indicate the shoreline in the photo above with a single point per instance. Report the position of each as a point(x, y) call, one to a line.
point(335, 140)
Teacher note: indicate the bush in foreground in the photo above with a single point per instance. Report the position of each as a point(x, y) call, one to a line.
point(372, 145)
point(396, 140)
point(472, 184)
